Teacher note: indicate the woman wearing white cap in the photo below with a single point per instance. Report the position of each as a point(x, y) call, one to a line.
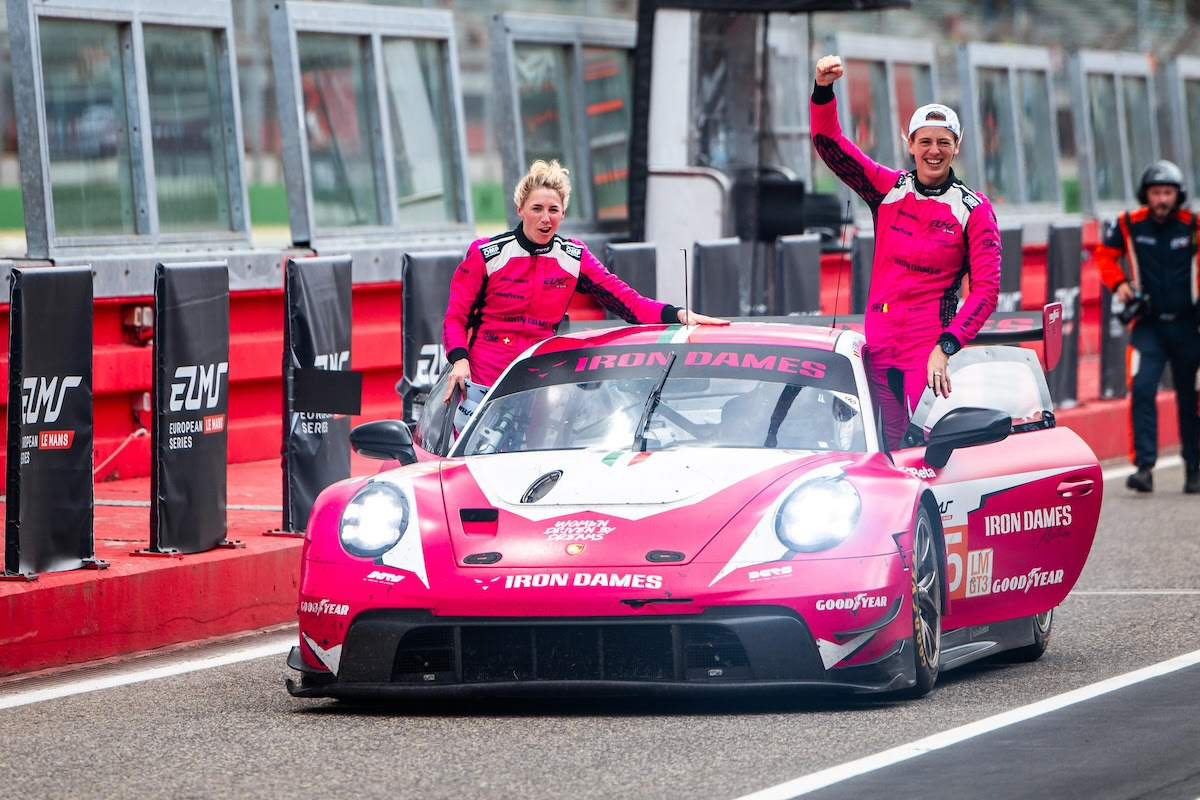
point(930, 230)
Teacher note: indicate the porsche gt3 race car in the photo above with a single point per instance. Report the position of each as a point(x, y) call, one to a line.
point(657, 508)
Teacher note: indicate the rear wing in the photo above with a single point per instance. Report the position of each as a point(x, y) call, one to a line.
point(1006, 327)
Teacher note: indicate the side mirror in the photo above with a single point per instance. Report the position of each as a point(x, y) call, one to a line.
point(965, 427)
point(384, 439)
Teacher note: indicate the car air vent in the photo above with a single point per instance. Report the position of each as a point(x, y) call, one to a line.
point(662, 556)
point(478, 514)
point(541, 487)
point(482, 558)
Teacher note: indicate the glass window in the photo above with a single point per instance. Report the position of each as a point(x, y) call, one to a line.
point(1102, 112)
point(1007, 379)
point(866, 91)
point(187, 130)
point(607, 85)
point(567, 84)
point(997, 135)
point(1138, 133)
point(336, 126)
point(914, 88)
point(422, 131)
point(87, 136)
point(788, 143)
point(1038, 147)
point(1191, 89)
point(544, 106)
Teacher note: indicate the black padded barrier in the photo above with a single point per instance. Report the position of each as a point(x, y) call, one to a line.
point(798, 273)
point(862, 255)
point(189, 438)
point(316, 403)
point(721, 277)
point(1011, 259)
point(1064, 256)
point(1114, 345)
point(636, 263)
point(50, 508)
point(426, 290)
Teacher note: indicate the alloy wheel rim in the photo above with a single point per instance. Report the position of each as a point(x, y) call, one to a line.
point(929, 596)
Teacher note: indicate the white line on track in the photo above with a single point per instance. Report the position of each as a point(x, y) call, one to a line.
point(828, 777)
point(277, 645)
point(1138, 592)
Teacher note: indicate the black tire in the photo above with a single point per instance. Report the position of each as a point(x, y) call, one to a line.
point(1043, 625)
point(927, 606)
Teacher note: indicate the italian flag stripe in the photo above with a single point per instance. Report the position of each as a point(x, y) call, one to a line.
point(614, 457)
point(668, 335)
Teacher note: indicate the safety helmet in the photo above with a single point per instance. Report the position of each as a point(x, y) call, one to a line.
point(1162, 173)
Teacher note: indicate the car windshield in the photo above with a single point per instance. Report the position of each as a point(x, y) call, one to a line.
point(624, 398)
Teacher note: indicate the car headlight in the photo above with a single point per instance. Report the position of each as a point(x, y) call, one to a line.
point(818, 515)
point(374, 520)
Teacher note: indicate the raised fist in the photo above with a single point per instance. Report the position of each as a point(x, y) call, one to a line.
point(829, 69)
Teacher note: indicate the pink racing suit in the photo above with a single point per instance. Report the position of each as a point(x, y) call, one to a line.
point(926, 239)
point(509, 293)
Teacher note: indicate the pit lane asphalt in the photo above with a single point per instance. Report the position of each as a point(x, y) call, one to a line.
point(232, 731)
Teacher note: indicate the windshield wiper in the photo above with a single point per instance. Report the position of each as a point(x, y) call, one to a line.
point(639, 433)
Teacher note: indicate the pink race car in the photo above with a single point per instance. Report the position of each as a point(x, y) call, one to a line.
point(657, 508)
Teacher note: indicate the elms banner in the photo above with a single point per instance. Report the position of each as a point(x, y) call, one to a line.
point(50, 510)
point(319, 390)
point(426, 292)
point(191, 408)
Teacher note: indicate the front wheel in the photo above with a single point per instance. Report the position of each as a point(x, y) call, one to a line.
point(927, 606)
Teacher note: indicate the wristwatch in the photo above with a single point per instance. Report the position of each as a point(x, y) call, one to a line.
point(949, 344)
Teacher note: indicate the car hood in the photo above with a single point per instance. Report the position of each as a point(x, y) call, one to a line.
point(604, 507)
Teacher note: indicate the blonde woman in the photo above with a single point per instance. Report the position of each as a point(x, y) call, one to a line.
point(512, 290)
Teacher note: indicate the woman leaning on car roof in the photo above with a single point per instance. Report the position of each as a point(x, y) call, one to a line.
point(512, 290)
point(930, 230)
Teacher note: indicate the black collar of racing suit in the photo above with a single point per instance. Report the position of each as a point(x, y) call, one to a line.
point(530, 246)
point(934, 191)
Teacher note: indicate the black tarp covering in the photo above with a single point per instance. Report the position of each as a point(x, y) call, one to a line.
point(189, 437)
point(720, 278)
point(426, 293)
point(643, 67)
point(798, 264)
point(1114, 344)
point(316, 444)
point(49, 510)
point(1011, 260)
point(862, 260)
point(1064, 257)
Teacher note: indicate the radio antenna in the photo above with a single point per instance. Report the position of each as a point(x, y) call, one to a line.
point(687, 304)
point(837, 296)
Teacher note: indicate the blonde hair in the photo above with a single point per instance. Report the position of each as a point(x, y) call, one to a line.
point(544, 176)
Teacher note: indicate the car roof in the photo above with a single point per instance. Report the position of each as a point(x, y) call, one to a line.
point(765, 333)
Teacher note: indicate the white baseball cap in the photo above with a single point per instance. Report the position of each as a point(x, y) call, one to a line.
point(920, 119)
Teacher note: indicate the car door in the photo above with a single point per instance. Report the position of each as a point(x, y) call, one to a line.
point(1018, 515)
